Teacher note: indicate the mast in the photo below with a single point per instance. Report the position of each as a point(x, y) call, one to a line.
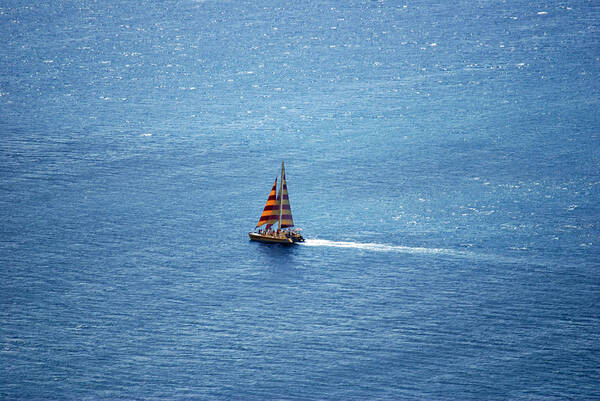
point(281, 195)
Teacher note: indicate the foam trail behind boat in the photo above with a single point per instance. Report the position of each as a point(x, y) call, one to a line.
point(370, 246)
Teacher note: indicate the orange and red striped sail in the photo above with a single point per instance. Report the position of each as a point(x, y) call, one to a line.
point(285, 219)
point(270, 214)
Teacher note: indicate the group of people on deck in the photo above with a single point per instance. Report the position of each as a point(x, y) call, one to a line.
point(274, 233)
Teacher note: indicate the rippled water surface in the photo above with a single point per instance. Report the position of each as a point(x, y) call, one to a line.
point(442, 160)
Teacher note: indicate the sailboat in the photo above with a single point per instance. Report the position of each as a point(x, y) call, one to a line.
point(277, 210)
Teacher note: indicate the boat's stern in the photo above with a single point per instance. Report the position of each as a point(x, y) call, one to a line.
point(297, 237)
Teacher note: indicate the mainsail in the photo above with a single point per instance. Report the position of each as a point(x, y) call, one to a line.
point(270, 214)
point(285, 215)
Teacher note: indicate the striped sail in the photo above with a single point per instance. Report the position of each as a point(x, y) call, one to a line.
point(285, 219)
point(270, 214)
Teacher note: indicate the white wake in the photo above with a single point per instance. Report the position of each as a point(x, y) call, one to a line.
point(376, 247)
point(371, 246)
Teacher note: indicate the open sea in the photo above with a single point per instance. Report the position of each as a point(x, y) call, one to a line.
point(442, 159)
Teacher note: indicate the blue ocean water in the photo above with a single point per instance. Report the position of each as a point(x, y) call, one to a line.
point(443, 160)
